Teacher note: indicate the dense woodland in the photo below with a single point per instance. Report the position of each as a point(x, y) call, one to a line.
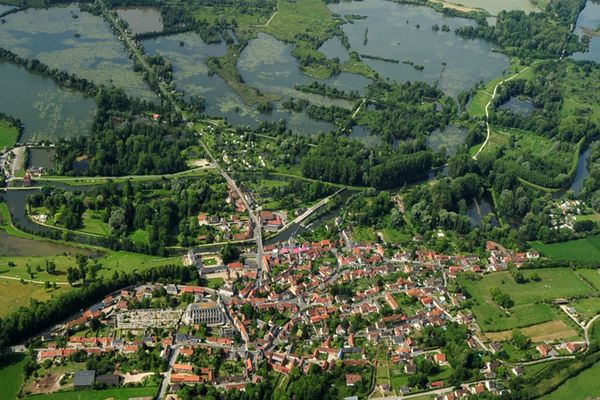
point(399, 111)
point(534, 35)
point(340, 160)
point(122, 144)
point(166, 211)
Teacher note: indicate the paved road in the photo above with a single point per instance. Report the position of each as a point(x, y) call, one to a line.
point(167, 376)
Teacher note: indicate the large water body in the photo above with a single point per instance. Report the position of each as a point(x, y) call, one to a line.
point(47, 111)
point(191, 76)
point(141, 19)
point(50, 35)
point(393, 33)
point(589, 18)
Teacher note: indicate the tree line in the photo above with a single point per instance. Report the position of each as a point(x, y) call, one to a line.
point(28, 321)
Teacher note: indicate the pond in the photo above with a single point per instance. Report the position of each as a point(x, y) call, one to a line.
point(495, 6)
point(450, 138)
point(404, 32)
point(68, 39)
point(40, 157)
point(518, 105)
point(141, 19)
point(191, 75)
point(19, 247)
point(478, 210)
point(589, 19)
point(46, 110)
point(334, 48)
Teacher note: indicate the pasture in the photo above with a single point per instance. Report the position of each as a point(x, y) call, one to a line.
point(587, 249)
point(11, 375)
point(528, 297)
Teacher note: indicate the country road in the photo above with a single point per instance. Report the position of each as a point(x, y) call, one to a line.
point(487, 106)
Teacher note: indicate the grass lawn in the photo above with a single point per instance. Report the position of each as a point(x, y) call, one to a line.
point(8, 135)
point(555, 282)
point(140, 236)
point(588, 308)
point(587, 249)
point(391, 235)
point(584, 385)
point(93, 224)
point(11, 375)
point(591, 275)
point(363, 234)
point(123, 393)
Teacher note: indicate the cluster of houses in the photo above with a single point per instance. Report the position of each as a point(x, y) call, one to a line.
point(501, 258)
point(395, 295)
point(564, 214)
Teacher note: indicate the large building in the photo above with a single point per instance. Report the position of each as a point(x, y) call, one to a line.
point(208, 313)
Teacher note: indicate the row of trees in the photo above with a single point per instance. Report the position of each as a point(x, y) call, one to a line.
point(28, 321)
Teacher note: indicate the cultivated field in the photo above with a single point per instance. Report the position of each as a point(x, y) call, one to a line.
point(547, 331)
point(115, 394)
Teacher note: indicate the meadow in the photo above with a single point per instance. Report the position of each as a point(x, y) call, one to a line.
point(587, 249)
point(580, 386)
point(528, 297)
point(8, 135)
point(11, 375)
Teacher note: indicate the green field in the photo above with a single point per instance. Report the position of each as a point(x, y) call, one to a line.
point(587, 249)
point(16, 294)
point(8, 135)
point(11, 376)
point(582, 386)
point(588, 308)
point(528, 309)
point(115, 394)
point(391, 235)
point(363, 234)
point(591, 275)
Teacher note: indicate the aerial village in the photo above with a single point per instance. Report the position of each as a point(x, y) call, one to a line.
point(327, 304)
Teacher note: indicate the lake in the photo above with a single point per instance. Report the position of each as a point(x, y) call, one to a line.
point(393, 33)
point(141, 19)
point(46, 110)
point(268, 64)
point(50, 36)
point(589, 18)
point(191, 76)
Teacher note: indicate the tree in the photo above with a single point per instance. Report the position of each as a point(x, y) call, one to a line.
point(50, 267)
point(230, 253)
point(520, 340)
point(72, 275)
